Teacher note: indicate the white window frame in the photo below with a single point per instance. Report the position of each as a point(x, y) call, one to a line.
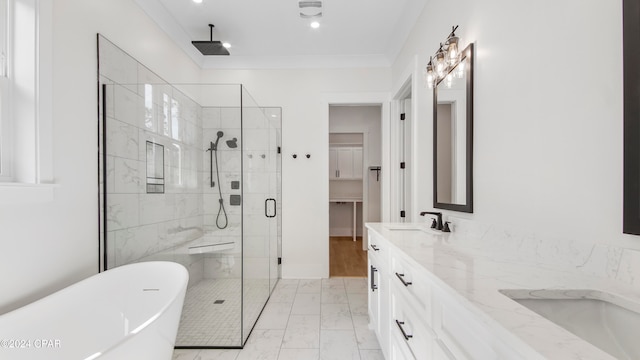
point(5, 129)
point(26, 115)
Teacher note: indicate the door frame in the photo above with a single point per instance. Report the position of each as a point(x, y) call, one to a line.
point(408, 83)
point(383, 100)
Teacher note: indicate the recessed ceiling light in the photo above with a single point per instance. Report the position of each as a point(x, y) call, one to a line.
point(197, 1)
point(226, 45)
point(315, 24)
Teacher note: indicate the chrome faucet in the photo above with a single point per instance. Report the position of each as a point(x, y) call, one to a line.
point(439, 225)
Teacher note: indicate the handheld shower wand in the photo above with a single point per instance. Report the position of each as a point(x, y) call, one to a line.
point(214, 155)
point(214, 145)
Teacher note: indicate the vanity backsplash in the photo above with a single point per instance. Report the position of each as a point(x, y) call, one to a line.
point(599, 260)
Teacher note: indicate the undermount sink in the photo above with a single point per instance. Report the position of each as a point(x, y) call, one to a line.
point(602, 319)
point(412, 227)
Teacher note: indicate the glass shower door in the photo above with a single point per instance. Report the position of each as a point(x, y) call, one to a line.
point(274, 117)
point(257, 210)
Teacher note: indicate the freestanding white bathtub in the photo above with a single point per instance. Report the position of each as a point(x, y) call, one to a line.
point(130, 312)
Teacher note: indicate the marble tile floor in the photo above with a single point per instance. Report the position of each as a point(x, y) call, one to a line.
point(307, 319)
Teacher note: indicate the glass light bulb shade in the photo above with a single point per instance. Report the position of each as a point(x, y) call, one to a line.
point(441, 70)
point(429, 69)
point(315, 25)
point(452, 50)
point(431, 79)
point(429, 75)
point(441, 65)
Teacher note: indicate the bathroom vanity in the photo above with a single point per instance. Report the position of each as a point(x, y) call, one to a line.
point(434, 296)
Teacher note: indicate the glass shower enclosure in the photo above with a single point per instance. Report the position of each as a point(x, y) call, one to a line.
point(190, 173)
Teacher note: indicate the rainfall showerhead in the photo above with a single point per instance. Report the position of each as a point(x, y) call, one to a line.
point(211, 47)
point(233, 143)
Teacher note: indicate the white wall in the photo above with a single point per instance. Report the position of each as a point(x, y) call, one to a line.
point(48, 246)
point(548, 113)
point(305, 128)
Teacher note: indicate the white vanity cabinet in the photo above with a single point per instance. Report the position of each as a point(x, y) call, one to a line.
point(423, 319)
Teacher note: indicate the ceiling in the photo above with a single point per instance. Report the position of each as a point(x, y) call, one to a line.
point(271, 34)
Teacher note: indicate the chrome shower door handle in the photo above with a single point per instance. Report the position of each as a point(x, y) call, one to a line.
point(267, 213)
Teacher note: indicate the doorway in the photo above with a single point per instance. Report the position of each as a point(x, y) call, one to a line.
point(355, 144)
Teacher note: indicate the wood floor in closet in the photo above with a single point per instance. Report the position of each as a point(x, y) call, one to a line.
point(346, 257)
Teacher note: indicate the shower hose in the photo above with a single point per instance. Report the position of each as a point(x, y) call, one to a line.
point(221, 209)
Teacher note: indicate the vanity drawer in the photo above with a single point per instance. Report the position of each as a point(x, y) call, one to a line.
point(399, 348)
point(411, 283)
point(378, 249)
point(460, 333)
point(408, 324)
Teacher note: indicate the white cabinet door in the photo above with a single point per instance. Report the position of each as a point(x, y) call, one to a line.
point(374, 291)
point(345, 163)
point(357, 163)
point(378, 283)
point(333, 164)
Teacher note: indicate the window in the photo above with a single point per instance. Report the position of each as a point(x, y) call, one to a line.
point(26, 170)
point(5, 146)
point(25, 115)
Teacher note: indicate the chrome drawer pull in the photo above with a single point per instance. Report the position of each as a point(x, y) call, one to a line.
point(406, 337)
point(405, 283)
point(374, 248)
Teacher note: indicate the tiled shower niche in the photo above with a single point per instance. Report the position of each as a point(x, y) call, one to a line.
point(168, 154)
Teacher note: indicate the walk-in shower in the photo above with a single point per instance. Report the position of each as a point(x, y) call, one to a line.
point(191, 174)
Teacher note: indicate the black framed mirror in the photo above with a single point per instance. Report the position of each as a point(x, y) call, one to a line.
point(631, 59)
point(453, 137)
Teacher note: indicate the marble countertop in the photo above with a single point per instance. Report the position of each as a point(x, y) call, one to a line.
point(475, 275)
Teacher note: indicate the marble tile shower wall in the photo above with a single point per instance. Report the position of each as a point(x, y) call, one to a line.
point(597, 260)
point(141, 107)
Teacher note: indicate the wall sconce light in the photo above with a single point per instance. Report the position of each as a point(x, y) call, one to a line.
point(444, 61)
